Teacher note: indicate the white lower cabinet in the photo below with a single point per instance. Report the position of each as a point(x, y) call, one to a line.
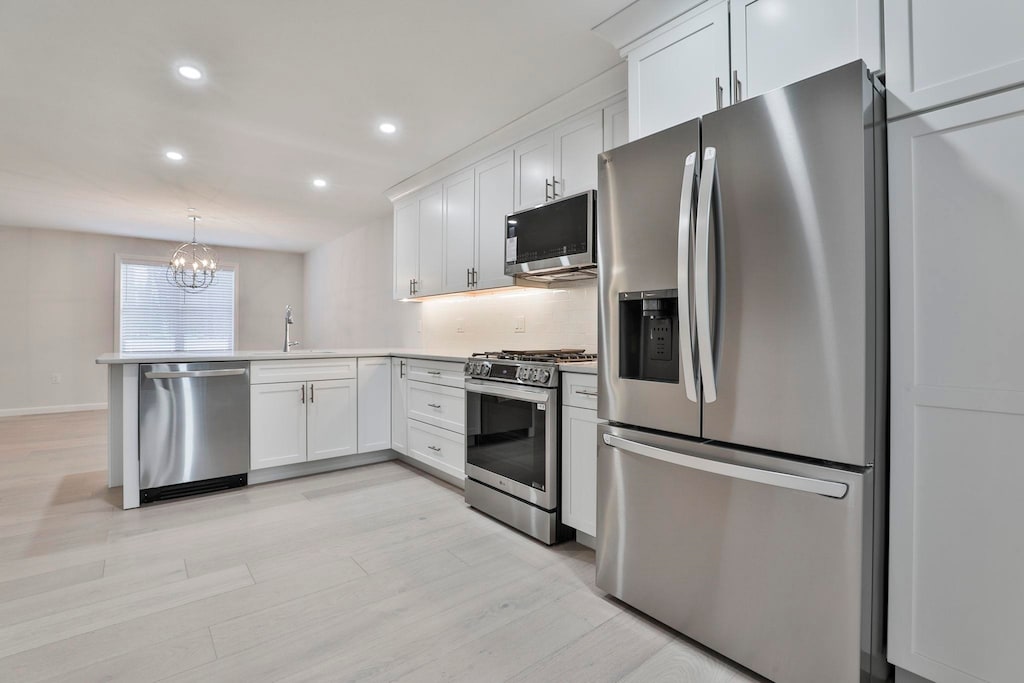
point(277, 424)
point(441, 406)
point(579, 469)
point(956, 609)
point(400, 405)
point(331, 419)
point(439, 448)
point(374, 404)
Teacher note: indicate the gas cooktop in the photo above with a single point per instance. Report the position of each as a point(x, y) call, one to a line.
point(534, 367)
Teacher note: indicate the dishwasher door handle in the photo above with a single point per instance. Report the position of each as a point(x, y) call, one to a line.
point(189, 374)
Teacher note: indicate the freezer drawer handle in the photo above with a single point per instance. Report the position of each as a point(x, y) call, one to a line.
point(189, 374)
point(831, 489)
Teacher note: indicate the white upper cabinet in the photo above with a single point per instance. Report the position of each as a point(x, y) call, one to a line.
point(679, 73)
point(331, 419)
point(956, 609)
point(431, 244)
point(459, 232)
point(495, 180)
point(616, 124)
point(407, 247)
point(374, 404)
point(939, 51)
point(577, 144)
point(535, 169)
point(778, 42)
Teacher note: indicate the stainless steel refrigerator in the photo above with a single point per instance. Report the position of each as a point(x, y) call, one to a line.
point(742, 369)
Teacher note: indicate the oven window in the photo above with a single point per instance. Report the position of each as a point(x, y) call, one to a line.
point(507, 437)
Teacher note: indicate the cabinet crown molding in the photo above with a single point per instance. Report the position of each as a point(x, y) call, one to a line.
point(642, 17)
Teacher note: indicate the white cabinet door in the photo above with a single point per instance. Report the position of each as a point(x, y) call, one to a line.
point(577, 144)
point(535, 158)
point(616, 124)
point(277, 424)
point(374, 398)
point(407, 247)
point(579, 468)
point(459, 231)
point(331, 411)
point(778, 42)
point(672, 76)
point(495, 190)
point(940, 51)
point(956, 608)
point(399, 405)
point(431, 245)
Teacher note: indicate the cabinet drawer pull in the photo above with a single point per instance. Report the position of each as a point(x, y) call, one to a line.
point(434, 405)
point(581, 392)
point(434, 448)
point(436, 373)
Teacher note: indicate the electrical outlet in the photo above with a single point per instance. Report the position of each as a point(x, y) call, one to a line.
point(55, 378)
point(460, 325)
point(520, 323)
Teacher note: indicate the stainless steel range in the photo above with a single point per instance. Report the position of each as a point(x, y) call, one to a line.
point(512, 438)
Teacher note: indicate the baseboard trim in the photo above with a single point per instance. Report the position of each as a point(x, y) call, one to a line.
point(302, 469)
point(45, 410)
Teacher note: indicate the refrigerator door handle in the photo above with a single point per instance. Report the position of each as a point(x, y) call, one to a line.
point(702, 275)
point(821, 487)
point(683, 284)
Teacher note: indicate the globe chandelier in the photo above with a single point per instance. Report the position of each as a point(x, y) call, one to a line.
point(193, 264)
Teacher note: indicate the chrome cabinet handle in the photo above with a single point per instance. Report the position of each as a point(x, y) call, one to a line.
point(547, 190)
point(190, 374)
point(718, 92)
point(702, 275)
point(401, 369)
point(434, 448)
point(312, 398)
point(822, 487)
point(555, 182)
point(581, 392)
point(434, 405)
point(302, 394)
point(434, 372)
point(475, 280)
point(683, 275)
point(737, 89)
point(469, 279)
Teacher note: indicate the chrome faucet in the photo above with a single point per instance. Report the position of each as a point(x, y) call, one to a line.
point(288, 322)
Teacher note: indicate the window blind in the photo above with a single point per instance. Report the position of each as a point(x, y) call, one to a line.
point(157, 316)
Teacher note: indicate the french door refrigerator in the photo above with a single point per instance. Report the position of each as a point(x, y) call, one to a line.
point(742, 370)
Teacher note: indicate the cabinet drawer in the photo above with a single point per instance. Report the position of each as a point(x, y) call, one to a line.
point(579, 390)
point(439, 448)
point(272, 371)
point(437, 372)
point(440, 406)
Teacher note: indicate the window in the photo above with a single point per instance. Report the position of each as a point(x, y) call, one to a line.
point(157, 316)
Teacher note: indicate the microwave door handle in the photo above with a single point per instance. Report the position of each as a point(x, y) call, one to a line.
point(702, 275)
point(683, 284)
point(822, 487)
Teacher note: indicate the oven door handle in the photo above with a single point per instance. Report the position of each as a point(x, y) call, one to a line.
point(522, 394)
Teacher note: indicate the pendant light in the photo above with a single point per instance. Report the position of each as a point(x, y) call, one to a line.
point(193, 265)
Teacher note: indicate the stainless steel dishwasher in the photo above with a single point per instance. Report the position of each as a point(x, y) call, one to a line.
point(193, 428)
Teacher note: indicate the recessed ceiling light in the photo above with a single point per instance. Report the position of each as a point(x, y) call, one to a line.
point(174, 156)
point(190, 72)
point(388, 128)
point(319, 182)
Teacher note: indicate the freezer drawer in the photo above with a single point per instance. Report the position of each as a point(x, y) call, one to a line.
point(759, 558)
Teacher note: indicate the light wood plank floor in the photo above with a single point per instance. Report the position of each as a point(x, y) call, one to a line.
point(378, 573)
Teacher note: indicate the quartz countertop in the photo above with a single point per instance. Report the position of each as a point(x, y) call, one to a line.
point(297, 354)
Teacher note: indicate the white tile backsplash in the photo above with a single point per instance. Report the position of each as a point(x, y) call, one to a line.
point(562, 317)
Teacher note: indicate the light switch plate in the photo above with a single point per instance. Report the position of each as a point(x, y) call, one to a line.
point(460, 325)
point(520, 323)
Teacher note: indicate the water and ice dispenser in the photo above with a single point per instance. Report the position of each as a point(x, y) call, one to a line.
point(649, 335)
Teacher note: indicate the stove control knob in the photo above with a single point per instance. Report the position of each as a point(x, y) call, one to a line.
point(469, 368)
point(545, 375)
point(523, 374)
point(534, 374)
point(484, 369)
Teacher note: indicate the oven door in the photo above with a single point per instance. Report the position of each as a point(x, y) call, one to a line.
point(512, 440)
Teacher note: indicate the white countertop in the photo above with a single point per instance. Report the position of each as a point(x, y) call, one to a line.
point(581, 368)
point(303, 354)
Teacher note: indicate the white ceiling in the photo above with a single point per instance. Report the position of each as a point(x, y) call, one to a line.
point(90, 101)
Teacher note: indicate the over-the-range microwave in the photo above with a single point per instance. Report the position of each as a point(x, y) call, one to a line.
point(554, 239)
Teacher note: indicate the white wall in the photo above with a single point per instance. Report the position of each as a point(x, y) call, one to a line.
point(555, 318)
point(348, 293)
point(57, 309)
